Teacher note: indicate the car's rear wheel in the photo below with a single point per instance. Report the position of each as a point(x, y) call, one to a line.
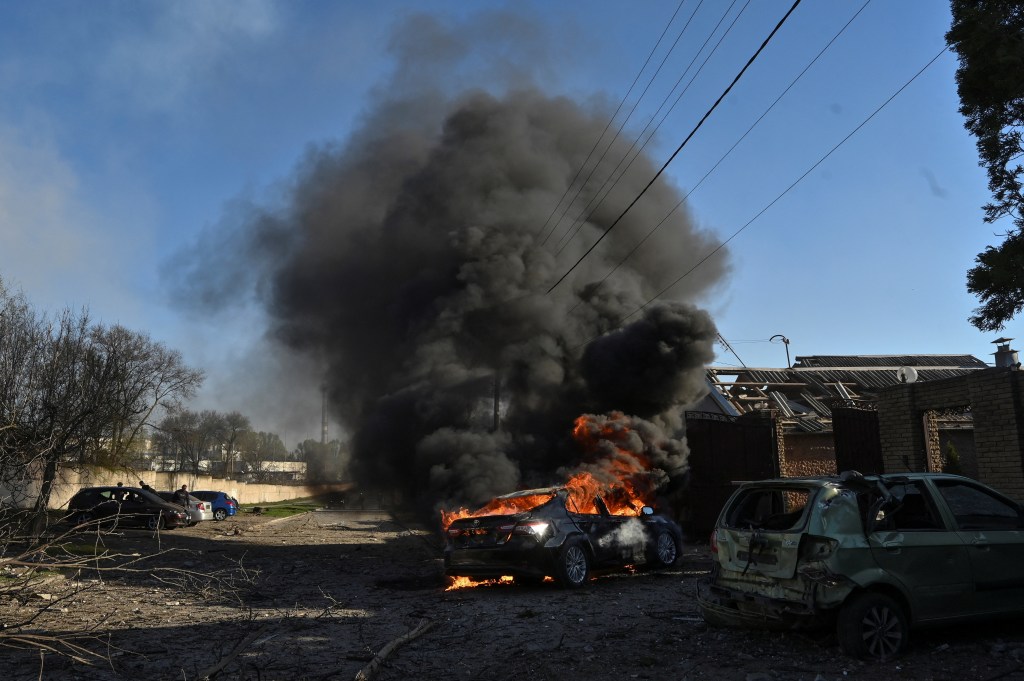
point(872, 626)
point(664, 551)
point(155, 522)
point(82, 518)
point(573, 566)
point(220, 514)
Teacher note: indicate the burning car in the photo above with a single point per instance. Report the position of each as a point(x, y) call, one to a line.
point(552, 532)
point(871, 555)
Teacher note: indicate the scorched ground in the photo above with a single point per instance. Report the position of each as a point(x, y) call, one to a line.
point(330, 589)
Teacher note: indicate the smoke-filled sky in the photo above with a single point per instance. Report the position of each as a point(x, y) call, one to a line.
point(376, 187)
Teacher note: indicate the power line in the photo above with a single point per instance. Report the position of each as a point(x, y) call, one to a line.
point(782, 194)
point(606, 188)
point(737, 143)
point(683, 144)
point(622, 103)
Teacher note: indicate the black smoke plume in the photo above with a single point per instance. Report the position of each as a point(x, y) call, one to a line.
point(412, 264)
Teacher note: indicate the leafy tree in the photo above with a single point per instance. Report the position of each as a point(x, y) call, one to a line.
point(988, 36)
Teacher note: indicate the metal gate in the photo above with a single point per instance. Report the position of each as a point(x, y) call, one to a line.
point(858, 442)
point(724, 450)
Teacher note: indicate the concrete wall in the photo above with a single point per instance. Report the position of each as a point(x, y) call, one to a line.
point(72, 479)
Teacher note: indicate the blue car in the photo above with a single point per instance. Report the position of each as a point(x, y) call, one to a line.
point(224, 504)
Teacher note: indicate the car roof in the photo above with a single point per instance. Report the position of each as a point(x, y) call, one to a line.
point(531, 492)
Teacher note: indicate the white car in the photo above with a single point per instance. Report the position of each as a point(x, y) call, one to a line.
point(198, 510)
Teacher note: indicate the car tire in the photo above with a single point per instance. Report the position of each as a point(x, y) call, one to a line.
point(220, 514)
point(82, 518)
point(573, 565)
point(664, 550)
point(872, 626)
point(155, 522)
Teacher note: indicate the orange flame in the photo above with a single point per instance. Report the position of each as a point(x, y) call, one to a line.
point(496, 507)
point(467, 583)
point(616, 473)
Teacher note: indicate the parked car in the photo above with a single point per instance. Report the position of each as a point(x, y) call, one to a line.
point(222, 503)
point(198, 510)
point(549, 536)
point(124, 505)
point(872, 555)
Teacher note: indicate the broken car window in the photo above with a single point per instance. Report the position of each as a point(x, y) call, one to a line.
point(769, 509)
point(914, 510)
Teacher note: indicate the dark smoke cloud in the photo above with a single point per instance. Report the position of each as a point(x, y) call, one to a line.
point(410, 263)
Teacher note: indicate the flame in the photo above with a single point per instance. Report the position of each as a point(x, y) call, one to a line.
point(467, 583)
point(614, 470)
point(495, 507)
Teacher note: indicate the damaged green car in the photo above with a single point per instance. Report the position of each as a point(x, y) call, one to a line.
point(873, 556)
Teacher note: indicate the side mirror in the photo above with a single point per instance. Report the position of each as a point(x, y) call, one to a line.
point(646, 510)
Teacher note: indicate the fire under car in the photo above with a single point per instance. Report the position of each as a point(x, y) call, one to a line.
point(548, 532)
point(873, 556)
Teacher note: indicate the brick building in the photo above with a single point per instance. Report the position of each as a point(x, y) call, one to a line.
point(819, 404)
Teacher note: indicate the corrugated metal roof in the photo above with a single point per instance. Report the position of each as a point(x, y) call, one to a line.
point(818, 379)
point(781, 402)
point(816, 404)
point(894, 361)
point(810, 425)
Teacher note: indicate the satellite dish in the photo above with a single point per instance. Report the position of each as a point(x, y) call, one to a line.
point(906, 374)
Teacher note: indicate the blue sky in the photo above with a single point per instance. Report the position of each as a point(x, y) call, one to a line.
point(128, 128)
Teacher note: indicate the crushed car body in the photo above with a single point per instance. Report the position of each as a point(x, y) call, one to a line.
point(873, 555)
point(541, 533)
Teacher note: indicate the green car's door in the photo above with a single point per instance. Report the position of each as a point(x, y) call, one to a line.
point(992, 528)
point(914, 544)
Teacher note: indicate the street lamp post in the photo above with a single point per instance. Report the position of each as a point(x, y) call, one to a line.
point(786, 343)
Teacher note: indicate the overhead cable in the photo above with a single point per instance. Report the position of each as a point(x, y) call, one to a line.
point(781, 194)
point(683, 144)
point(611, 120)
point(736, 144)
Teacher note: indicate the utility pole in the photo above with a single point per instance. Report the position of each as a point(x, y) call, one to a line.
point(497, 400)
point(323, 413)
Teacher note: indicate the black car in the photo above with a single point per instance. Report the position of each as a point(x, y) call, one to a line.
point(548, 534)
point(124, 505)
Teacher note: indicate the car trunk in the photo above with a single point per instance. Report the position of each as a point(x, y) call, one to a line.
point(762, 532)
point(772, 554)
point(482, 532)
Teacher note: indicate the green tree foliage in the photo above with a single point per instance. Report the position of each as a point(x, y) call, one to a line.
point(951, 462)
point(988, 37)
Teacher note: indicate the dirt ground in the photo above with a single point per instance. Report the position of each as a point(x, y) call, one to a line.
point(315, 596)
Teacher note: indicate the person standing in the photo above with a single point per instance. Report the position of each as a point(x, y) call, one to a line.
point(181, 496)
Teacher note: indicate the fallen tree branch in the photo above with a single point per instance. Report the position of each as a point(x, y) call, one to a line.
point(242, 645)
point(370, 670)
